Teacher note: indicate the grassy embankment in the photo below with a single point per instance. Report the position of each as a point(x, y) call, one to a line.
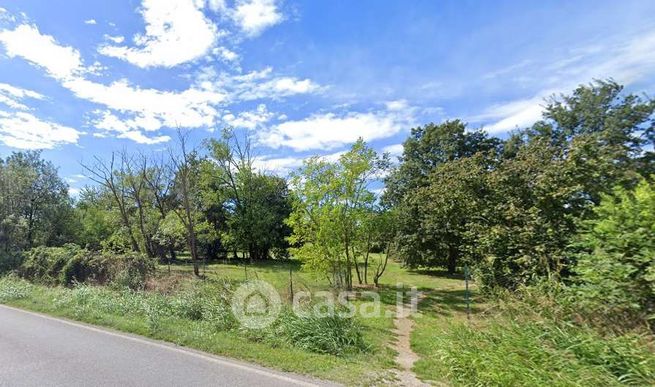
point(181, 309)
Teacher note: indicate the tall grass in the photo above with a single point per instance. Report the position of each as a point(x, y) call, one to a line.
point(207, 303)
point(532, 337)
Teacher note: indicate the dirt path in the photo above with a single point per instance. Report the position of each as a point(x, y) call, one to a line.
point(406, 357)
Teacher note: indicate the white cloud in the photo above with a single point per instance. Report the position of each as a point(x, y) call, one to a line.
point(136, 110)
point(125, 128)
point(74, 192)
point(254, 16)
point(627, 61)
point(400, 104)
point(328, 131)
point(190, 108)
point(116, 39)
point(12, 96)
point(23, 130)
point(176, 32)
point(225, 54)
point(249, 119)
point(90, 21)
point(26, 41)
point(394, 150)
point(217, 5)
point(260, 84)
point(76, 178)
point(282, 166)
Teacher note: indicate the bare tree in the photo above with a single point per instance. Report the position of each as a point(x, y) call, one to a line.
point(111, 176)
point(159, 179)
point(137, 190)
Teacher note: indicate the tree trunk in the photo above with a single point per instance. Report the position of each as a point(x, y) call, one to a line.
point(452, 259)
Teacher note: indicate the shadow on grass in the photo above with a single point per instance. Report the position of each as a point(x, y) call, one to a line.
point(438, 273)
point(446, 302)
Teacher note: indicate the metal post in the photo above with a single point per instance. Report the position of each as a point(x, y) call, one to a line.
point(467, 293)
point(291, 283)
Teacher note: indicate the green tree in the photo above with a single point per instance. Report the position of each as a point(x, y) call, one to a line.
point(432, 234)
point(331, 202)
point(247, 206)
point(34, 203)
point(616, 265)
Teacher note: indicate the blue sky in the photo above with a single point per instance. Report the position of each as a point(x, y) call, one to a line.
point(83, 78)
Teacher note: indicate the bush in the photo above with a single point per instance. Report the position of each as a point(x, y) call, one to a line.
point(45, 264)
point(616, 268)
point(130, 270)
point(72, 264)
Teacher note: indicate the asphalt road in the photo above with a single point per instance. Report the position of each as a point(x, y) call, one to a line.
point(37, 350)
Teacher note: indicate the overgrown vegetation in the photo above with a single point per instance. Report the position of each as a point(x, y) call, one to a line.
point(70, 264)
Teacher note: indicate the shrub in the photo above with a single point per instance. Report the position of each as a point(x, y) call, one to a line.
point(45, 264)
point(130, 270)
point(72, 264)
point(616, 268)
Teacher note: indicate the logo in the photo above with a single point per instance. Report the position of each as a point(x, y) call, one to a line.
point(256, 304)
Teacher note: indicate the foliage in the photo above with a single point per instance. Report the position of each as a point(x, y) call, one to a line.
point(72, 264)
point(511, 209)
point(331, 201)
point(248, 207)
point(507, 352)
point(432, 233)
point(616, 265)
point(34, 205)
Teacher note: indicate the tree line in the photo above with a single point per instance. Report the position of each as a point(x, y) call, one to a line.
point(516, 209)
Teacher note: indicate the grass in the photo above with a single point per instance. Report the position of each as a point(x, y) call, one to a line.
point(525, 347)
point(521, 345)
point(170, 311)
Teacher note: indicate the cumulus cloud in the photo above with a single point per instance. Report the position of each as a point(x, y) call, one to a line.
point(130, 111)
point(254, 16)
point(330, 130)
point(26, 41)
point(176, 31)
point(90, 21)
point(23, 130)
point(249, 119)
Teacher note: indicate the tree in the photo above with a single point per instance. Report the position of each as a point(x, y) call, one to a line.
point(331, 202)
point(111, 176)
point(186, 172)
point(431, 221)
point(616, 254)
point(34, 203)
point(249, 206)
point(553, 174)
